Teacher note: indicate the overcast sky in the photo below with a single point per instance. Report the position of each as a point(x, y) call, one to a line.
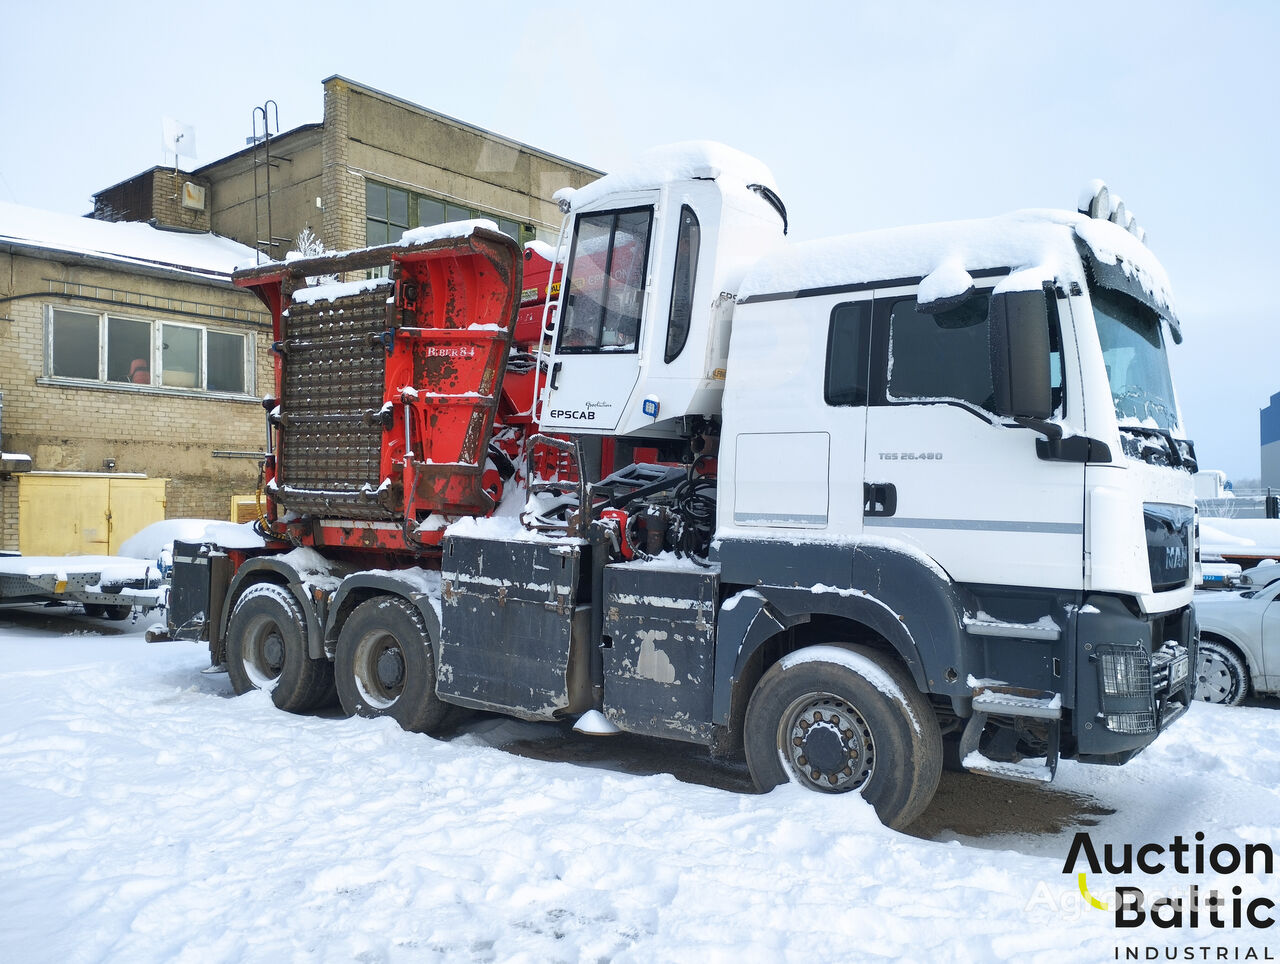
point(871, 114)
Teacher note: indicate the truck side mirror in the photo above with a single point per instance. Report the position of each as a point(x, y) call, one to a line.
point(1020, 354)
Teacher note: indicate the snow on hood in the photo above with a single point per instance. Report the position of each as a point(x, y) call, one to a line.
point(450, 229)
point(1038, 245)
point(338, 289)
point(150, 541)
point(544, 251)
point(205, 255)
point(685, 161)
point(414, 236)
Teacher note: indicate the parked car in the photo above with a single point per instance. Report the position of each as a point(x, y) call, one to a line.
point(1240, 640)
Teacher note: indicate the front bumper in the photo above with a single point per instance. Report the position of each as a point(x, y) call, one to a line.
point(1134, 677)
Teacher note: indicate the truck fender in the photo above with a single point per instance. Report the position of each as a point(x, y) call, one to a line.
point(768, 611)
point(886, 585)
point(746, 622)
point(253, 571)
point(383, 586)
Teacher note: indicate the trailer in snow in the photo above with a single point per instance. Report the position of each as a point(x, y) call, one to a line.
point(108, 587)
point(834, 505)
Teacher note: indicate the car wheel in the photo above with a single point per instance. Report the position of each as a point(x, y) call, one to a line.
point(1221, 676)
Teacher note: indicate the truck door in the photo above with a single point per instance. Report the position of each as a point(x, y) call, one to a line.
point(597, 352)
point(946, 474)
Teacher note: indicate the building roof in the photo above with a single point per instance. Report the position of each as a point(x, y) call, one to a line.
point(135, 244)
point(521, 145)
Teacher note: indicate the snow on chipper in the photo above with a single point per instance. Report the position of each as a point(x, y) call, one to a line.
point(837, 505)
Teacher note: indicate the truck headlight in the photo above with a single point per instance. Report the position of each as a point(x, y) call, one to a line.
point(1125, 671)
point(1124, 675)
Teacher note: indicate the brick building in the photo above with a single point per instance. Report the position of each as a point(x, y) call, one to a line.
point(125, 351)
point(84, 302)
point(374, 167)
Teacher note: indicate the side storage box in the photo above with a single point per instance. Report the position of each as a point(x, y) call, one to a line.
point(513, 632)
point(197, 590)
point(659, 669)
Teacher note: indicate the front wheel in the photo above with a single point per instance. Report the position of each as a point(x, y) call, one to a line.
point(384, 665)
point(267, 649)
point(1221, 676)
point(840, 720)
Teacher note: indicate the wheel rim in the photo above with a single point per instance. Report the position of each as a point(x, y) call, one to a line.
point(826, 743)
point(264, 653)
point(379, 669)
point(1215, 682)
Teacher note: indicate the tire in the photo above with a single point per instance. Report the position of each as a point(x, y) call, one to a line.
point(884, 730)
point(267, 649)
point(384, 665)
point(103, 611)
point(1221, 676)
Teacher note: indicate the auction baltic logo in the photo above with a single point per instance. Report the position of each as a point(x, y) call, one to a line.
point(1193, 907)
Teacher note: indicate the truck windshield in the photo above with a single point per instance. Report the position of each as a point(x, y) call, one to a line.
point(1137, 362)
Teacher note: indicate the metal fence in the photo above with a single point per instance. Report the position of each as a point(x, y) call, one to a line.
point(1248, 504)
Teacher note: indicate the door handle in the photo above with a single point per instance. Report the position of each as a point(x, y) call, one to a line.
point(879, 498)
point(555, 376)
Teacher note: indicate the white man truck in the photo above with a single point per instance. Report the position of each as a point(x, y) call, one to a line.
point(837, 505)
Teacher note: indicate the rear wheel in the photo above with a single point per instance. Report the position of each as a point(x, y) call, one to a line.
point(1221, 676)
point(384, 665)
point(103, 611)
point(840, 720)
point(267, 649)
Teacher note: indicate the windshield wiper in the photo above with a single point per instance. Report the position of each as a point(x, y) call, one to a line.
point(1176, 456)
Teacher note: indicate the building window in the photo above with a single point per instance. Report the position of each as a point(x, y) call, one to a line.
point(390, 211)
point(88, 346)
point(386, 212)
point(75, 344)
point(128, 351)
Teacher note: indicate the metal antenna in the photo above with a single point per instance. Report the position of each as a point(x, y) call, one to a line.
point(268, 112)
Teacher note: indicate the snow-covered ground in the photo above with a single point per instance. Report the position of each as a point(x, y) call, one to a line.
point(145, 815)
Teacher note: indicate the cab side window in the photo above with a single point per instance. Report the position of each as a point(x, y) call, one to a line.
point(848, 378)
point(941, 356)
point(688, 242)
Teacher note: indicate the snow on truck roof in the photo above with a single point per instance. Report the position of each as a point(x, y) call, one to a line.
point(130, 243)
point(1037, 245)
point(685, 161)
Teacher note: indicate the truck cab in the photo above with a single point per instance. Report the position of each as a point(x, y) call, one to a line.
point(982, 436)
point(655, 254)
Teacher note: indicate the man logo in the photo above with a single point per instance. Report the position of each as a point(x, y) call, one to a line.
point(1175, 557)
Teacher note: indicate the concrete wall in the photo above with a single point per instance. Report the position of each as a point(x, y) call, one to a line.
point(161, 432)
point(295, 184)
point(369, 134)
point(408, 146)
